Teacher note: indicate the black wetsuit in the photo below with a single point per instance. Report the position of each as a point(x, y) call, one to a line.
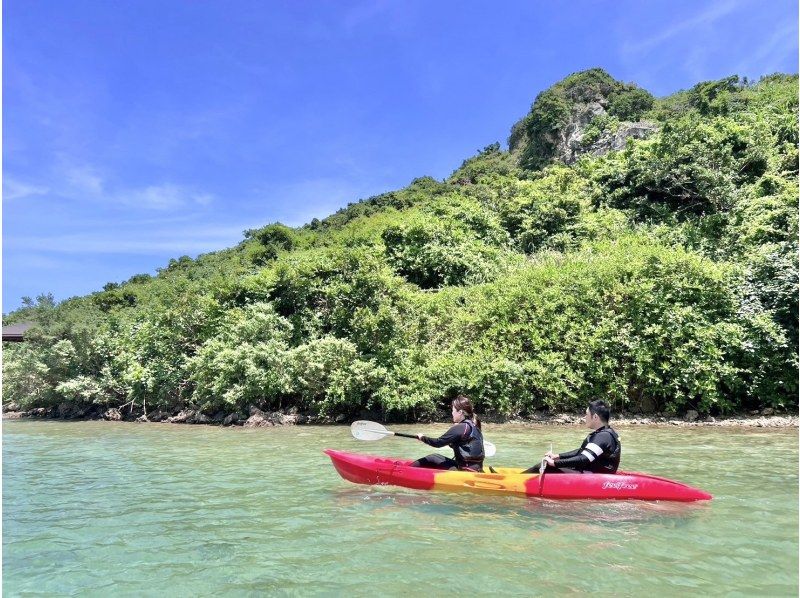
point(465, 439)
point(599, 453)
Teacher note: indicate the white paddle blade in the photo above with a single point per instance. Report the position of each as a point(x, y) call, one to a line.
point(367, 430)
point(489, 450)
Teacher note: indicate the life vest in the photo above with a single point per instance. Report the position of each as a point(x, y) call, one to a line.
point(607, 463)
point(468, 451)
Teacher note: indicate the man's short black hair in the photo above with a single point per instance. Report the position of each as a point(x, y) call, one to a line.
point(600, 409)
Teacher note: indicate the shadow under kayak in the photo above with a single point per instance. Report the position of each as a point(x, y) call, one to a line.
point(623, 485)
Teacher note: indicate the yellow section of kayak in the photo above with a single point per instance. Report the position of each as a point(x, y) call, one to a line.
point(507, 480)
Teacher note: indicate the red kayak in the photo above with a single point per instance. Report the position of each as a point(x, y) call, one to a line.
point(623, 485)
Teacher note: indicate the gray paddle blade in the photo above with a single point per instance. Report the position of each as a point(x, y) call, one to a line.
point(367, 430)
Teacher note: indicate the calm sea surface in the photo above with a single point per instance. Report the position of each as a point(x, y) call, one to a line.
point(106, 509)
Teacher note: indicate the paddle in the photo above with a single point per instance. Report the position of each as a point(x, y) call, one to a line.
point(543, 468)
point(367, 430)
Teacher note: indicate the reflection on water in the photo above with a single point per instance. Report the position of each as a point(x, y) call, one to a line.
point(529, 510)
point(98, 508)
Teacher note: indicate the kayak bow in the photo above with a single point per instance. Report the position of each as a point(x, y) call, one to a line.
point(369, 469)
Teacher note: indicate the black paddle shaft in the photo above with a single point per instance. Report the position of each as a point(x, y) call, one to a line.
point(405, 435)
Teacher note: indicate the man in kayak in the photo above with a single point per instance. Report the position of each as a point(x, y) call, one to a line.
point(599, 453)
point(464, 437)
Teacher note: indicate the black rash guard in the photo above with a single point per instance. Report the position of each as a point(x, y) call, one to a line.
point(466, 440)
point(599, 453)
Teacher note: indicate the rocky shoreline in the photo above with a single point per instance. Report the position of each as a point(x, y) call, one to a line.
point(257, 418)
point(756, 420)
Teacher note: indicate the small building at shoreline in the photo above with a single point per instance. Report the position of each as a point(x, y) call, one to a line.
point(15, 333)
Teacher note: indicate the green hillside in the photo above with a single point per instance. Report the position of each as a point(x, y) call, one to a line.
point(629, 248)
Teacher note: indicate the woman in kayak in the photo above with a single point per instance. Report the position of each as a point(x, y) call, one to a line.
point(464, 437)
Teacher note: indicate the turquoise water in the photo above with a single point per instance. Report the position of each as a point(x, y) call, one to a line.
point(99, 509)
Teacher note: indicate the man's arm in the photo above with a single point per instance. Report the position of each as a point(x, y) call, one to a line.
point(568, 454)
point(582, 458)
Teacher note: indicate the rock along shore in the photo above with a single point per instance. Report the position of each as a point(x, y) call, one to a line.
point(257, 418)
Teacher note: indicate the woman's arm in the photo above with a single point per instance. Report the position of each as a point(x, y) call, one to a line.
point(454, 434)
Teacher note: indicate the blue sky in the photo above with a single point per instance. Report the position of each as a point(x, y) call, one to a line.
point(135, 131)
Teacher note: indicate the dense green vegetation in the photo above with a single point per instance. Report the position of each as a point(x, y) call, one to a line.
point(662, 277)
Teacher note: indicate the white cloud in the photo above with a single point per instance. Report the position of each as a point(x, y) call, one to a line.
point(182, 231)
point(84, 180)
point(710, 15)
point(33, 261)
point(762, 60)
point(363, 13)
point(85, 183)
point(15, 189)
point(298, 203)
point(133, 241)
point(161, 197)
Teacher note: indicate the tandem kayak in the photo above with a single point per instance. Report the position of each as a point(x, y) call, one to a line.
point(623, 485)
